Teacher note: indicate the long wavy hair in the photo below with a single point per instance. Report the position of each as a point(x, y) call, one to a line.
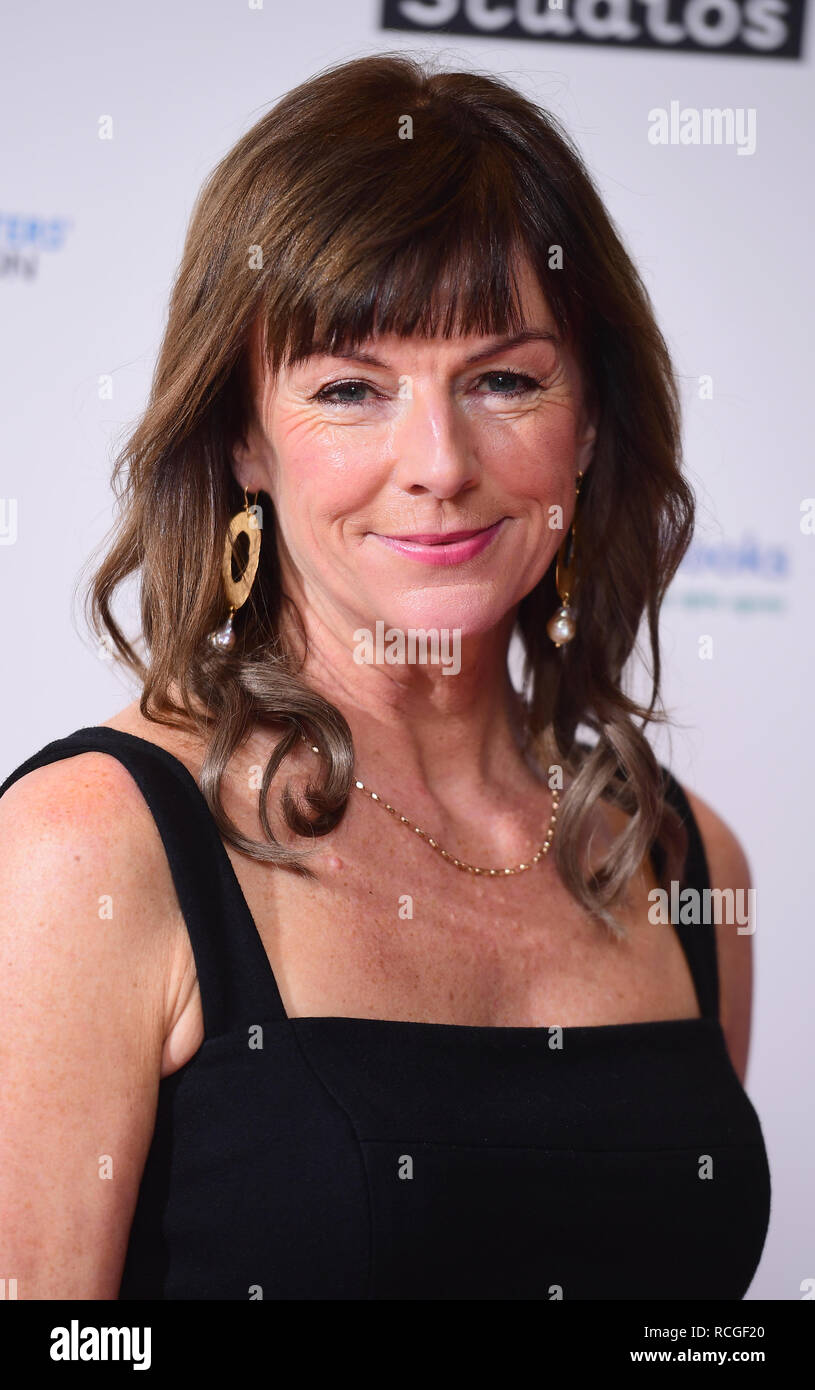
point(385, 195)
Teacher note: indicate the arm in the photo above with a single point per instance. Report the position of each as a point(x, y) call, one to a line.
point(82, 1014)
point(729, 869)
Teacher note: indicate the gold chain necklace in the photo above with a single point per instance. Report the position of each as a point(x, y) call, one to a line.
point(450, 858)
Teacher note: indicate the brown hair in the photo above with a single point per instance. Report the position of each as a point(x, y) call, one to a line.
point(324, 225)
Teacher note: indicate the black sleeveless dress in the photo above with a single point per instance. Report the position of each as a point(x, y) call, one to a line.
point(353, 1158)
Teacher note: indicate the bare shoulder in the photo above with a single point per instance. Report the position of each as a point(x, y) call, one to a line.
point(88, 802)
point(57, 792)
point(82, 825)
point(83, 1006)
point(729, 868)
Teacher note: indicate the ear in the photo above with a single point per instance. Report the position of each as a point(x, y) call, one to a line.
point(249, 451)
point(240, 463)
point(585, 445)
point(246, 461)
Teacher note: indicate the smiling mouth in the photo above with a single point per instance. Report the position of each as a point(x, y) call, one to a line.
point(441, 537)
point(443, 547)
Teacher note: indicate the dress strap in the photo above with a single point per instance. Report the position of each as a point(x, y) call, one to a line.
point(235, 977)
point(698, 939)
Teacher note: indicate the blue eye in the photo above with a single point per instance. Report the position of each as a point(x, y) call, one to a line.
point(326, 394)
point(529, 383)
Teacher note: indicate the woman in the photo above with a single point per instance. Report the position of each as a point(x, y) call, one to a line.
point(342, 965)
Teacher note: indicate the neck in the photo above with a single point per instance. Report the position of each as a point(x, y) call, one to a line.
point(415, 729)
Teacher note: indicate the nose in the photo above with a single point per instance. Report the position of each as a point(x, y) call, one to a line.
point(432, 445)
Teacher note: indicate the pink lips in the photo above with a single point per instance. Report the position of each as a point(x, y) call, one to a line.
point(442, 548)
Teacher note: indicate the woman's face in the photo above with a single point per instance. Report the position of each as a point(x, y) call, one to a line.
point(416, 482)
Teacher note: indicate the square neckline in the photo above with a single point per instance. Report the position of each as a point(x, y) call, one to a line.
point(521, 1031)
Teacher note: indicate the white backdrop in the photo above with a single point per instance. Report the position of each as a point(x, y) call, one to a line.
point(90, 235)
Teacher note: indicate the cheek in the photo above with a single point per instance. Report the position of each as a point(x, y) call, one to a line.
point(534, 456)
point(324, 473)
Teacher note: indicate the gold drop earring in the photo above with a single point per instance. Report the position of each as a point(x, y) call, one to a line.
point(562, 625)
point(237, 590)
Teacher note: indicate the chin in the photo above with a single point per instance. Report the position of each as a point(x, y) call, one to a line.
point(472, 614)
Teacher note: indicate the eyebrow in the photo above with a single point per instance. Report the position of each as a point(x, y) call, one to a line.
point(499, 345)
